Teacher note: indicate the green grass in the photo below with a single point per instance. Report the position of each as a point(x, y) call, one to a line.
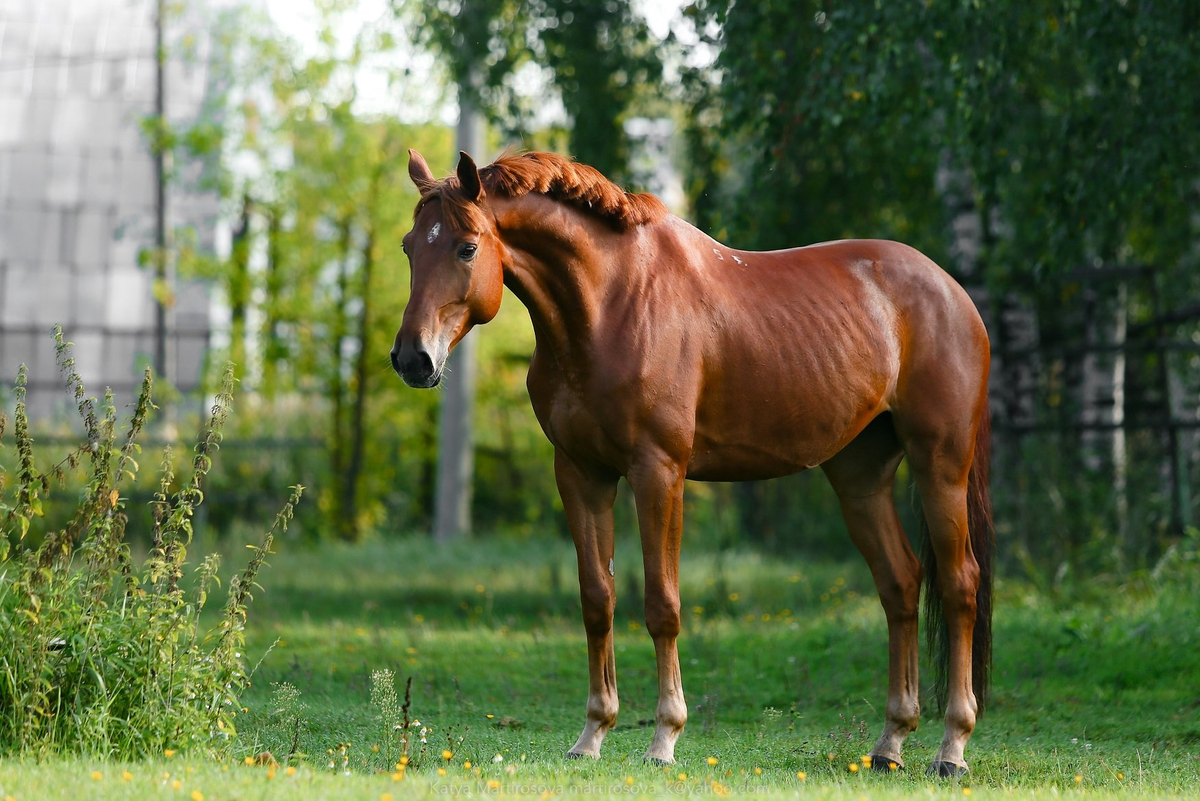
point(784, 668)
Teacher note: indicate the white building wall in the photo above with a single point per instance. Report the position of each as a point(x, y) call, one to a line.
point(77, 191)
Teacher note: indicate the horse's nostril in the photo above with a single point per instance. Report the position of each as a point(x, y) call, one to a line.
point(395, 361)
point(425, 362)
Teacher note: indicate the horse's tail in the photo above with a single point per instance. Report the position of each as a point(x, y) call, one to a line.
point(982, 543)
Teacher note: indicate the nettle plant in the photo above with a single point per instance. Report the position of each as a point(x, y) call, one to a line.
point(100, 655)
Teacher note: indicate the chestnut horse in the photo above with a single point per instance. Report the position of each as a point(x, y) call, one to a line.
point(663, 355)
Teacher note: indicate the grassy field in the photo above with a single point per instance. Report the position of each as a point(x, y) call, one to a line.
point(1096, 694)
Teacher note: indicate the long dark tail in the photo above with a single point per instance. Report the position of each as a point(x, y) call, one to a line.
point(982, 546)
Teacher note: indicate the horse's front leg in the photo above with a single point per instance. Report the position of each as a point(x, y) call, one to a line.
point(588, 502)
point(658, 492)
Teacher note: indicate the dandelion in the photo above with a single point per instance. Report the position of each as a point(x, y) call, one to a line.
point(175, 785)
point(712, 761)
point(441, 771)
point(683, 777)
point(97, 775)
point(628, 781)
point(758, 771)
point(801, 775)
point(489, 717)
point(1120, 777)
point(170, 752)
point(1078, 779)
point(385, 797)
point(398, 775)
point(866, 760)
point(893, 766)
point(467, 765)
point(197, 795)
point(493, 784)
point(966, 791)
point(447, 754)
point(289, 771)
point(854, 767)
point(735, 597)
point(248, 760)
point(375, 749)
point(126, 775)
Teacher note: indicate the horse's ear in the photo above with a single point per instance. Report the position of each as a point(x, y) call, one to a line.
point(419, 171)
point(468, 176)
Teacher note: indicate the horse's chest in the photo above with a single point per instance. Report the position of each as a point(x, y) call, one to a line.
point(589, 418)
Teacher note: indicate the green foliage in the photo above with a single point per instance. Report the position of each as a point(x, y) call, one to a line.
point(96, 654)
point(600, 56)
point(1071, 120)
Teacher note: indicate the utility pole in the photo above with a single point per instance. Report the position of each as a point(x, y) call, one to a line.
point(456, 451)
point(162, 297)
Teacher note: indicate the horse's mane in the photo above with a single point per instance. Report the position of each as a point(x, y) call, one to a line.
point(515, 175)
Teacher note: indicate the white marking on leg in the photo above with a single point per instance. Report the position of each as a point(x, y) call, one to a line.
point(739, 261)
point(612, 567)
point(719, 256)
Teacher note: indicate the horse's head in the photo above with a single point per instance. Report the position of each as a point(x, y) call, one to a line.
point(457, 280)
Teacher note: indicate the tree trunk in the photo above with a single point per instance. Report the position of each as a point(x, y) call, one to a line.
point(456, 454)
point(358, 412)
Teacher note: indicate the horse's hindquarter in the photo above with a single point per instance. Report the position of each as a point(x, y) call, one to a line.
point(806, 353)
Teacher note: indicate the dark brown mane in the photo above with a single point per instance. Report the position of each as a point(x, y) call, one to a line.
point(552, 175)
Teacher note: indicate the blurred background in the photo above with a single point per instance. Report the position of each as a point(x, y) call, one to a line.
point(189, 182)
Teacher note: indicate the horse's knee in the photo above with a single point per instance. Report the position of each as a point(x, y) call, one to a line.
point(599, 604)
point(662, 616)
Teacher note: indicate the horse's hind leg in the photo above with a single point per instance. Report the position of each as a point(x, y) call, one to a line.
point(940, 456)
point(862, 475)
point(588, 503)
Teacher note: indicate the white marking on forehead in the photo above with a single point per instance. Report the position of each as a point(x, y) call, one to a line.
point(433, 232)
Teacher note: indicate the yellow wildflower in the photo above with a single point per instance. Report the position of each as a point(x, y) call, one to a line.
point(197, 795)
point(97, 775)
point(801, 775)
point(853, 767)
point(447, 754)
point(712, 761)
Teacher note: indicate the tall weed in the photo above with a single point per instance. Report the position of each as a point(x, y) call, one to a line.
point(99, 655)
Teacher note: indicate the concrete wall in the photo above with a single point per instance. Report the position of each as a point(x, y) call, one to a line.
point(77, 191)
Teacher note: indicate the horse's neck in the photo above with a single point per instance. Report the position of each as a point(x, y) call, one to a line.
point(558, 267)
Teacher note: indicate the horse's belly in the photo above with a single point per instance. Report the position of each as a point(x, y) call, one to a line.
point(756, 433)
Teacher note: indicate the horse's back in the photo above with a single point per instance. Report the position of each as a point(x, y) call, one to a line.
point(813, 343)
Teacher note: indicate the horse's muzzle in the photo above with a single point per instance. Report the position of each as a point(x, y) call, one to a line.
point(414, 364)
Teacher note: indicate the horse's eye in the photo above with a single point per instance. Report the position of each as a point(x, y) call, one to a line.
point(466, 251)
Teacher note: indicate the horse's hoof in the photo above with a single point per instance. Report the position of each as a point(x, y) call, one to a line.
point(581, 755)
point(947, 770)
point(658, 762)
point(884, 764)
